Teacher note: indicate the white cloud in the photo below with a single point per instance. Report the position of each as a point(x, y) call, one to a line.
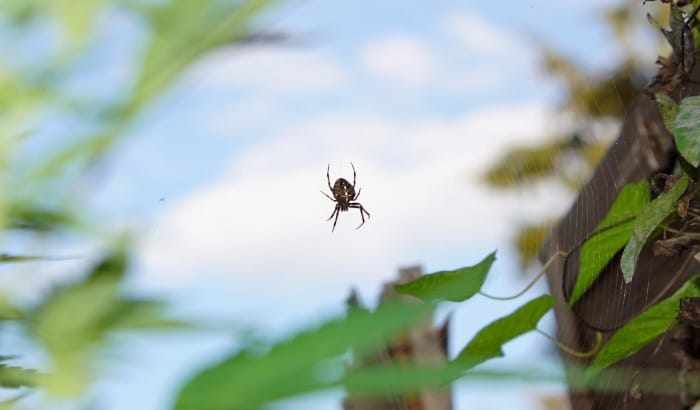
point(480, 36)
point(399, 58)
point(265, 216)
point(271, 69)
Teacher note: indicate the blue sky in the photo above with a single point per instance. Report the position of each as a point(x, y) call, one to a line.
point(421, 98)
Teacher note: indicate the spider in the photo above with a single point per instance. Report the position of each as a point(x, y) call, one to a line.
point(344, 196)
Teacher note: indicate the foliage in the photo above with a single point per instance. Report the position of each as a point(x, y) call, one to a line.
point(647, 222)
point(74, 321)
point(527, 241)
point(455, 286)
point(487, 343)
point(589, 98)
point(644, 328)
point(313, 359)
point(316, 359)
point(686, 130)
point(612, 234)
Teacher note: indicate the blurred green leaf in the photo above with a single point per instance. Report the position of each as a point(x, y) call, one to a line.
point(27, 216)
point(399, 378)
point(686, 130)
point(249, 379)
point(488, 342)
point(550, 159)
point(75, 320)
point(181, 32)
point(13, 377)
point(8, 310)
point(184, 30)
point(599, 249)
point(456, 285)
point(528, 241)
point(144, 315)
point(522, 164)
point(649, 219)
point(643, 329)
point(77, 16)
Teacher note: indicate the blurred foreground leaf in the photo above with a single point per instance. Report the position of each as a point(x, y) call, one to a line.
point(11, 376)
point(308, 361)
point(456, 285)
point(186, 30)
point(76, 319)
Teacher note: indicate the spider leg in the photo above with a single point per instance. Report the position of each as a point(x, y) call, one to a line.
point(337, 214)
point(357, 194)
point(360, 207)
point(328, 177)
point(354, 175)
point(329, 197)
point(363, 211)
point(337, 207)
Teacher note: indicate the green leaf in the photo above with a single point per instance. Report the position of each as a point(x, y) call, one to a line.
point(488, 342)
point(643, 329)
point(13, 377)
point(686, 130)
point(184, 30)
point(249, 379)
point(613, 233)
point(668, 108)
point(76, 320)
point(456, 285)
point(8, 310)
point(647, 222)
point(143, 314)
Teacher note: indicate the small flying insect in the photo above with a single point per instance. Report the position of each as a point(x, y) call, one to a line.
point(344, 196)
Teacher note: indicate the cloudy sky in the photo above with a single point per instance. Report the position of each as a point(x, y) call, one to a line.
point(222, 175)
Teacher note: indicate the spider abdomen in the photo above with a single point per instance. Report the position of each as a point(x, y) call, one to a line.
point(343, 192)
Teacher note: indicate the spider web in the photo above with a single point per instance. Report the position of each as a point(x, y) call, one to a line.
point(641, 151)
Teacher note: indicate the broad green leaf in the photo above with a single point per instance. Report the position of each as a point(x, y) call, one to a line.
point(249, 379)
point(647, 222)
point(643, 329)
point(456, 285)
point(488, 342)
point(613, 233)
point(668, 108)
point(686, 130)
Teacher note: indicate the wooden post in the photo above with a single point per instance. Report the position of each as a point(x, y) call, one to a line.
point(423, 344)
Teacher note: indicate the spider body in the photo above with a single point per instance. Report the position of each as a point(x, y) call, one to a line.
point(344, 196)
point(343, 192)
